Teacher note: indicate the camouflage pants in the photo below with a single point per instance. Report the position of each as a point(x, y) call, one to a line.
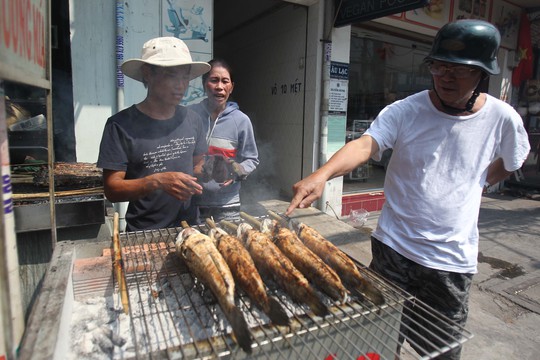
point(446, 292)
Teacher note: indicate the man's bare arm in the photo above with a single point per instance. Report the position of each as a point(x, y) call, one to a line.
point(348, 158)
point(497, 172)
point(180, 185)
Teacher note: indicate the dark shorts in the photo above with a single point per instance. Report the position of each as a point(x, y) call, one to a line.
point(446, 292)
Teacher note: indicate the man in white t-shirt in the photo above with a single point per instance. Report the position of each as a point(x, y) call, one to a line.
point(448, 142)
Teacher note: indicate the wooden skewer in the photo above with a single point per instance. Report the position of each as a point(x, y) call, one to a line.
point(120, 276)
point(211, 223)
point(277, 217)
point(231, 227)
point(251, 220)
point(90, 191)
point(213, 226)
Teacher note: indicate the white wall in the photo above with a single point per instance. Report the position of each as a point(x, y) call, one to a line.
point(93, 57)
point(269, 60)
point(93, 68)
point(313, 91)
point(142, 23)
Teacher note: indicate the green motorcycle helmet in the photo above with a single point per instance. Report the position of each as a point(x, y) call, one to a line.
point(468, 42)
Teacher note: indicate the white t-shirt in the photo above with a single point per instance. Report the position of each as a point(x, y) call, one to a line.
point(434, 181)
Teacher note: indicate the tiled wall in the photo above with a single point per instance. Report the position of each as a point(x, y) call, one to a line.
point(372, 201)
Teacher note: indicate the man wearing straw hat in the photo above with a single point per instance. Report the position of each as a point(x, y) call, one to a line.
point(149, 151)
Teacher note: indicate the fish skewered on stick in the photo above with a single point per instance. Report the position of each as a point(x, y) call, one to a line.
point(273, 264)
point(305, 260)
point(206, 263)
point(245, 273)
point(337, 259)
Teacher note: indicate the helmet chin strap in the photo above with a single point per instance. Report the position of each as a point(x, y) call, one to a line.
point(470, 104)
point(454, 110)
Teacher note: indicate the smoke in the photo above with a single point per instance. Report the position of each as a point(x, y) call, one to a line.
point(262, 184)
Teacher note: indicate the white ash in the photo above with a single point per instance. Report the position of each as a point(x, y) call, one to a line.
point(167, 313)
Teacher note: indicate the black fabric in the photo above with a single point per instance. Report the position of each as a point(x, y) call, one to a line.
point(141, 146)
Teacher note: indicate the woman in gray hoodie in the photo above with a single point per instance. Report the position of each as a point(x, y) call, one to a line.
point(232, 152)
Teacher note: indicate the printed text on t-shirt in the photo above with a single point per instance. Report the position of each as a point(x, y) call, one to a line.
point(157, 160)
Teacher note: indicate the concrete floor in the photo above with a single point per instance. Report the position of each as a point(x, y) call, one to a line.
point(505, 300)
point(504, 307)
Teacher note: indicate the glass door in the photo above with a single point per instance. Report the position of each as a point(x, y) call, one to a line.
point(382, 69)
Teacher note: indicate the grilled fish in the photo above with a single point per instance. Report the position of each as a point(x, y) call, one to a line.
point(305, 260)
point(206, 263)
point(246, 275)
point(340, 262)
point(272, 263)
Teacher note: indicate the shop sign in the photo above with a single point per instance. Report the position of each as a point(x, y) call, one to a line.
point(337, 105)
point(352, 11)
point(339, 88)
point(339, 70)
point(23, 36)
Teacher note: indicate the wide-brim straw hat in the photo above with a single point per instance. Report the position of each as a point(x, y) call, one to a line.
point(164, 51)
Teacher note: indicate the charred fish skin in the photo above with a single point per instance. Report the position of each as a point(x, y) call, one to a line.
point(309, 263)
point(247, 276)
point(340, 262)
point(206, 263)
point(272, 263)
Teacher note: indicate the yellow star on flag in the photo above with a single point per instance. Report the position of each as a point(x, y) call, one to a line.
point(523, 54)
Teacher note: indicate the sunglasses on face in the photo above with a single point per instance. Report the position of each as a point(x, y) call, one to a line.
point(459, 72)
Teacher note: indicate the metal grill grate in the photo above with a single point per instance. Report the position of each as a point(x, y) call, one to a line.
point(173, 317)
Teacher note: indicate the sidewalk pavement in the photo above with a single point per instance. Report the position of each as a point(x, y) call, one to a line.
point(504, 305)
point(505, 299)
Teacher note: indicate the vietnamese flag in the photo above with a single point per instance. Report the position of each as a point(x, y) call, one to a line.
point(524, 69)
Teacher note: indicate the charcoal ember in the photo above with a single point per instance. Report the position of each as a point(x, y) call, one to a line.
point(71, 175)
